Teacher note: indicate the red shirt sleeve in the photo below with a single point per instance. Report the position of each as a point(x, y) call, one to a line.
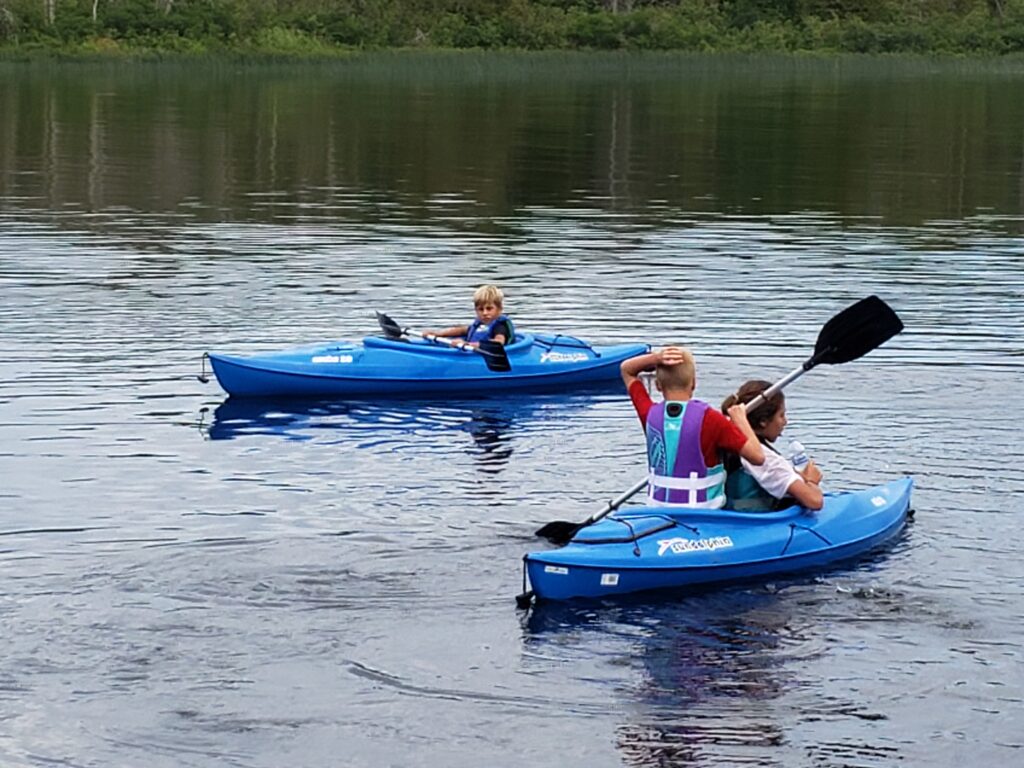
point(718, 434)
point(641, 401)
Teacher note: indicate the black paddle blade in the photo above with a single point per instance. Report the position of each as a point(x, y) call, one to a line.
point(495, 356)
point(855, 331)
point(524, 600)
point(391, 329)
point(559, 532)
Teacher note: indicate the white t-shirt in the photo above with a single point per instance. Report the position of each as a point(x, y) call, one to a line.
point(775, 475)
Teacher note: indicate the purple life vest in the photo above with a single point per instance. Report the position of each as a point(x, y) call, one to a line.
point(678, 475)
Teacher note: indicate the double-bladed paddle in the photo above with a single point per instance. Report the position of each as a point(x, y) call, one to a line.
point(852, 333)
point(494, 354)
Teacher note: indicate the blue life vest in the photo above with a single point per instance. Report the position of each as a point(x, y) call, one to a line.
point(478, 331)
point(678, 475)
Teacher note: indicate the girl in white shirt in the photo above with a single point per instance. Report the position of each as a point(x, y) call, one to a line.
point(775, 484)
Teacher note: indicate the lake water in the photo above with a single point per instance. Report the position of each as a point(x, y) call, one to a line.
point(193, 581)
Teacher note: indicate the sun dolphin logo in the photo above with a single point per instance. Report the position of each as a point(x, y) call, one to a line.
point(563, 357)
point(679, 546)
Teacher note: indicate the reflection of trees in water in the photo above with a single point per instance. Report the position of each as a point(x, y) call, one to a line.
point(217, 138)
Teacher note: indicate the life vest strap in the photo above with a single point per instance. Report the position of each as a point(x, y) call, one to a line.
point(694, 482)
point(715, 503)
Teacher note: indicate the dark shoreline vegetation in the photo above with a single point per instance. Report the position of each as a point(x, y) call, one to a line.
point(338, 28)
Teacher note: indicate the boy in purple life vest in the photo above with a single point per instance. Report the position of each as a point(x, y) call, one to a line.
point(685, 437)
point(490, 324)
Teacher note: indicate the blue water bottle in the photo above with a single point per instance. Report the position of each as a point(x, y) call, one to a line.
point(797, 455)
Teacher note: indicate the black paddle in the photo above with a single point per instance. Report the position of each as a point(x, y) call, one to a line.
point(494, 354)
point(852, 333)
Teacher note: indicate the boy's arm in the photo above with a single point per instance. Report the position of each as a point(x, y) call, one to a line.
point(752, 450)
point(501, 334)
point(455, 330)
point(634, 366)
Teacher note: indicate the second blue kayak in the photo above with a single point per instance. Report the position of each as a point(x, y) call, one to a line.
point(644, 548)
point(379, 366)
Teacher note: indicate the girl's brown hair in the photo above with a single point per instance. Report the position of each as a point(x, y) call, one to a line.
point(764, 413)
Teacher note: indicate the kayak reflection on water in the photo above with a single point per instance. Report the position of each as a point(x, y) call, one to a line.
point(494, 424)
point(709, 668)
point(719, 677)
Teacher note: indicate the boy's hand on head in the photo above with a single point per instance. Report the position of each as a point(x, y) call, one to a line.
point(670, 356)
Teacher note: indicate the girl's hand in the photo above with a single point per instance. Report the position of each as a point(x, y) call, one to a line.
point(811, 473)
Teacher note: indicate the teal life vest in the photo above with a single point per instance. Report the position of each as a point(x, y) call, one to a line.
point(744, 494)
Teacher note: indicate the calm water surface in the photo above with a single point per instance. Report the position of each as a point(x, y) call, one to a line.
point(197, 581)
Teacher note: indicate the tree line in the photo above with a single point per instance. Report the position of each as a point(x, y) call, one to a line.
point(331, 27)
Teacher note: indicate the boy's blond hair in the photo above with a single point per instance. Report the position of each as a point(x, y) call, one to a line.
point(488, 294)
point(679, 376)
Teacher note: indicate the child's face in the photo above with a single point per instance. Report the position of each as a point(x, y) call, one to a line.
point(487, 311)
point(775, 425)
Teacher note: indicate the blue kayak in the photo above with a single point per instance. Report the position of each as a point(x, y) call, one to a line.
point(381, 366)
point(645, 548)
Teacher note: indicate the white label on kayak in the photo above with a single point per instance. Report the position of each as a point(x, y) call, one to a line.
point(332, 359)
point(563, 357)
point(609, 579)
point(556, 569)
point(878, 501)
point(678, 546)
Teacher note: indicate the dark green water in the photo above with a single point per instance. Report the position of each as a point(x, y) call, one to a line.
point(485, 136)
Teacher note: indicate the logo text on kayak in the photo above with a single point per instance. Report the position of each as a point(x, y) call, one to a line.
point(678, 546)
point(563, 357)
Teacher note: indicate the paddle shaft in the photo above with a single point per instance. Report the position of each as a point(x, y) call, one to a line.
point(494, 355)
point(779, 385)
point(617, 502)
point(442, 340)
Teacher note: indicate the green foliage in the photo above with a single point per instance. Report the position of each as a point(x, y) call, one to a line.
point(326, 27)
point(8, 26)
point(601, 31)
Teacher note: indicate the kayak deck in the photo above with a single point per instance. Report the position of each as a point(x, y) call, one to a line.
point(378, 366)
point(646, 548)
